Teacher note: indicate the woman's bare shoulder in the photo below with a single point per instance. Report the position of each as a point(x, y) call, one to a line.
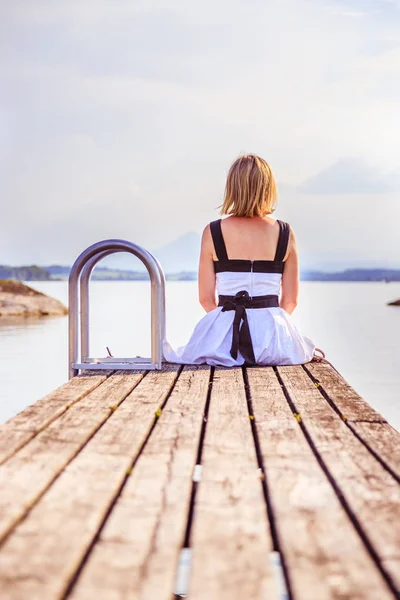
point(206, 240)
point(292, 235)
point(292, 244)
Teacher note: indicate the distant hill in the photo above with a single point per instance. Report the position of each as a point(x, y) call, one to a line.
point(31, 273)
point(99, 273)
point(59, 272)
point(353, 275)
point(108, 274)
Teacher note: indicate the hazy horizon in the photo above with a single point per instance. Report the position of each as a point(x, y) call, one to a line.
point(120, 120)
point(182, 255)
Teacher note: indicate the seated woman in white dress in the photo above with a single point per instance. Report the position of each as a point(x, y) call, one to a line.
point(248, 280)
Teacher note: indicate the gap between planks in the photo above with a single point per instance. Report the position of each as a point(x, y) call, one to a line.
point(231, 542)
point(31, 471)
point(44, 552)
point(368, 493)
point(325, 557)
point(378, 436)
point(136, 555)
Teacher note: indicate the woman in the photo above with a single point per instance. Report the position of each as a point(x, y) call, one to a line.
point(251, 261)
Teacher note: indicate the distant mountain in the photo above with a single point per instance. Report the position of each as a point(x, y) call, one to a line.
point(182, 254)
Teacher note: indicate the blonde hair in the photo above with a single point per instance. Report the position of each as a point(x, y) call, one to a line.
point(250, 188)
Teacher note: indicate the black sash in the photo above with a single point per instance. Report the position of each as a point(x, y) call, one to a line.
point(241, 338)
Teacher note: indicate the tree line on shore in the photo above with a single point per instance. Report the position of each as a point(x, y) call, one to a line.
point(60, 273)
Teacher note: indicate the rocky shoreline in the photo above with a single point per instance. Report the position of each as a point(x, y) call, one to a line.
point(20, 300)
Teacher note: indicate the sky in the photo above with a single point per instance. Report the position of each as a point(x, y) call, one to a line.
point(120, 119)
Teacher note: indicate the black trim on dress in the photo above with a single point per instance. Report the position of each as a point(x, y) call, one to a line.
point(283, 240)
point(218, 239)
point(237, 265)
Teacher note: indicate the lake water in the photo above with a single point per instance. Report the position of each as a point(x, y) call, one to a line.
point(350, 321)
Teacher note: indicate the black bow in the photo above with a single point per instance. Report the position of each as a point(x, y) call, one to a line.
point(241, 338)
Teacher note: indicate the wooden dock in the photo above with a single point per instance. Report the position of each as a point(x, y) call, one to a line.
point(212, 484)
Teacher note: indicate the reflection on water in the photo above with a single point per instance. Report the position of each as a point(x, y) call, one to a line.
point(349, 321)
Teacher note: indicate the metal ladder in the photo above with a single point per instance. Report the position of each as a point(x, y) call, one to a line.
point(78, 314)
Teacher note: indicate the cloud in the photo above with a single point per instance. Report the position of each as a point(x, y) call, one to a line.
point(356, 8)
point(346, 176)
point(121, 119)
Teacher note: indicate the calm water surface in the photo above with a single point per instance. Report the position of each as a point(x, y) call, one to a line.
point(349, 321)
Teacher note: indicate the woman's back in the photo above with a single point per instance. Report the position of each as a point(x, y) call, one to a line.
point(249, 261)
point(252, 239)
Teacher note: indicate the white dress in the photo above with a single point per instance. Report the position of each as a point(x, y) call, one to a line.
point(265, 335)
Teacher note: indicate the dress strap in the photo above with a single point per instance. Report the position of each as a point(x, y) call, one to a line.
point(218, 239)
point(283, 240)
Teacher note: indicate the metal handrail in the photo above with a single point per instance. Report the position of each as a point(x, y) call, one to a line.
point(79, 278)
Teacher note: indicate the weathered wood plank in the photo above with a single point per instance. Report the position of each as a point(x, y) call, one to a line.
point(43, 553)
point(137, 553)
point(27, 474)
point(324, 554)
point(369, 424)
point(350, 404)
point(383, 439)
point(230, 539)
point(19, 430)
point(371, 492)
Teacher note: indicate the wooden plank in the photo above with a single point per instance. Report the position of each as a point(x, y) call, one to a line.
point(346, 399)
point(383, 439)
point(19, 430)
point(322, 549)
point(137, 553)
point(370, 425)
point(231, 539)
point(371, 492)
point(27, 474)
point(43, 553)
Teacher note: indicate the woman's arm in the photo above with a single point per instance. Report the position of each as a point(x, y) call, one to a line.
point(290, 277)
point(207, 291)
